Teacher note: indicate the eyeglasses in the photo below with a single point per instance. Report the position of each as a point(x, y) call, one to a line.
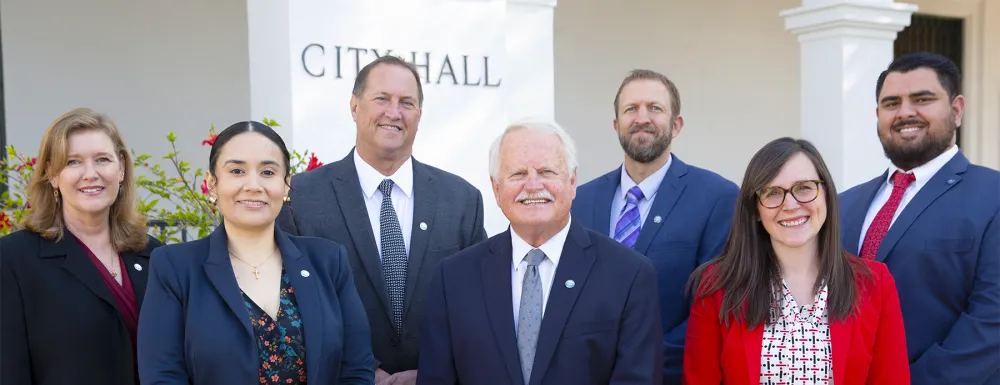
point(802, 191)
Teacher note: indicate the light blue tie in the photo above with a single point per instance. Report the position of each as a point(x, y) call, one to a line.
point(529, 319)
point(629, 221)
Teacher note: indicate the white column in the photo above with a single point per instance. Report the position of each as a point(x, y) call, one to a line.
point(845, 45)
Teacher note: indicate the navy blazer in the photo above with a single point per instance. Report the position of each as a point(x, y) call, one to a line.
point(604, 329)
point(687, 226)
point(944, 253)
point(194, 327)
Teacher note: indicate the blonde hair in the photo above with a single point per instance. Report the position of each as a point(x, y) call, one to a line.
point(128, 226)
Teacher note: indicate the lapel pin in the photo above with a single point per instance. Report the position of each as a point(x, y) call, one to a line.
point(951, 181)
point(137, 267)
point(305, 273)
point(423, 226)
point(657, 219)
point(570, 283)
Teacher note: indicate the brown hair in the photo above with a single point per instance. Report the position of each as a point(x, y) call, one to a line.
point(640, 74)
point(128, 226)
point(361, 81)
point(747, 272)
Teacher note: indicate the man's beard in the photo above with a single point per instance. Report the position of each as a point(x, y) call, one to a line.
point(910, 154)
point(650, 151)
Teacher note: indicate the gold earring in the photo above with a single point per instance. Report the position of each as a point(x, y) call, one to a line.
point(211, 199)
point(287, 199)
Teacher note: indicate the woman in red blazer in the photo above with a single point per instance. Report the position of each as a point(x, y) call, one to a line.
point(784, 304)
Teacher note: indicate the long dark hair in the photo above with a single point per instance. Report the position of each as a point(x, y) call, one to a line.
point(747, 272)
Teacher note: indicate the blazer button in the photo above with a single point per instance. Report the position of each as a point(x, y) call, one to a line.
point(394, 341)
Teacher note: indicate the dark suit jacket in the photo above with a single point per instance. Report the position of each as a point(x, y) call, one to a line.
point(944, 252)
point(603, 330)
point(60, 323)
point(196, 329)
point(695, 208)
point(868, 348)
point(328, 203)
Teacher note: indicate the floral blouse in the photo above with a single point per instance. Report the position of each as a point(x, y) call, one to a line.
point(796, 349)
point(280, 343)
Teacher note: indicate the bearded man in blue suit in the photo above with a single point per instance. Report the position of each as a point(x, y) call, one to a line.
point(934, 219)
point(676, 214)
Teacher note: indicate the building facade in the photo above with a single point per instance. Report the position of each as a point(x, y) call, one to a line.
point(748, 72)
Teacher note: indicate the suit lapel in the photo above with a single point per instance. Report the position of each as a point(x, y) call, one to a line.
point(602, 204)
point(840, 341)
point(574, 263)
point(220, 272)
point(499, 302)
point(855, 218)
point(299, 270)
point(753, 341)
point(666, 196)
point(79, 265)
point(138, 277)
point(347, 188)
point(942, 181)
point(425, 204)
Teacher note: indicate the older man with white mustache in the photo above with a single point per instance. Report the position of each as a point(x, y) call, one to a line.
point(548, 301)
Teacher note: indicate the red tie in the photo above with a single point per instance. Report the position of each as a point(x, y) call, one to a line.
point(880, 225)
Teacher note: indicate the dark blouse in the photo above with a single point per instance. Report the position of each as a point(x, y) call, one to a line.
point(280, 343)
point(124, 297)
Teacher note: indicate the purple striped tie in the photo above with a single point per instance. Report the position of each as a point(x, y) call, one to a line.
point(629, 222)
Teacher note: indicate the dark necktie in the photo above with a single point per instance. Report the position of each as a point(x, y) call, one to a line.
point(393, 254)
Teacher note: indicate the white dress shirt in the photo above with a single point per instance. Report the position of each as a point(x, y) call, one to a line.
point(649, 187)
point(922, 174)
point(402, 197)
point(546, 269)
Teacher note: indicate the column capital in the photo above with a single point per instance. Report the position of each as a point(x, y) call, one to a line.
point(861, 18)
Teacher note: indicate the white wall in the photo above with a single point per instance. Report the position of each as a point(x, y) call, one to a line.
point(735, 66)
point(154, 67)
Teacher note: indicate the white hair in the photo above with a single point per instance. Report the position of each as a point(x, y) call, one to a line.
point(535, 125)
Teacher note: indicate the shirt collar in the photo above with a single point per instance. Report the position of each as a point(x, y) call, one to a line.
point(370, 178)
point(650, 185)
point(927, 170)
point(552, 247)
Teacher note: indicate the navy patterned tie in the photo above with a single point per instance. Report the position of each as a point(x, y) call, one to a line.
point(529, 319)
point(393, 253)
point(629, 221)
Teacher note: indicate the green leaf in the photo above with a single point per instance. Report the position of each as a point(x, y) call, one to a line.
point(172, 137)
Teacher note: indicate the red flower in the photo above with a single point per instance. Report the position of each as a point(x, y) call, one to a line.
point(29, 164)
point(5, 221)
point(210, 141)
point(204, 187)
point(314, 162)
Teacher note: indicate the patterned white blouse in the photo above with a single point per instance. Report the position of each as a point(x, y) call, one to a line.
point(796, 349)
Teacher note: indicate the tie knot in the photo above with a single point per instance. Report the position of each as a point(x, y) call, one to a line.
point(386, 187)
point(902, 179)
point(634, 195)
point(534, 257)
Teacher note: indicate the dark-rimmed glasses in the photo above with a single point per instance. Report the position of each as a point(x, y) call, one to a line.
point(803, 191)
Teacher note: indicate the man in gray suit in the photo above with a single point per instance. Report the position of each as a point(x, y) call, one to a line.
point(397, 217)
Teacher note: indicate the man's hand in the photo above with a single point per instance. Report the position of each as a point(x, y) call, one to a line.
point(408, 377)
point(381, 376)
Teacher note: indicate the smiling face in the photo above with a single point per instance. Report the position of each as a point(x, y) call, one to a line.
point(794, 225)
point(88, 184)
point(534, 189)
point(645, 123)
point(249, 181)
point(916, 119)
point(387, 112)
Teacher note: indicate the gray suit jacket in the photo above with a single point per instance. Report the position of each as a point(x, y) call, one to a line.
point(327, 202)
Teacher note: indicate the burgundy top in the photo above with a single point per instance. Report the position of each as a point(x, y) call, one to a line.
point(123, 294)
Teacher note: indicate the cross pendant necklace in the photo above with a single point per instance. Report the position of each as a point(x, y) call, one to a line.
point(255, 272)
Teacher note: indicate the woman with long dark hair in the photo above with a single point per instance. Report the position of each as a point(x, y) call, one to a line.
point(784, 303)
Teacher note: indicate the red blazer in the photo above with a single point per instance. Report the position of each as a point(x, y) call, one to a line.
point(868, 348)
